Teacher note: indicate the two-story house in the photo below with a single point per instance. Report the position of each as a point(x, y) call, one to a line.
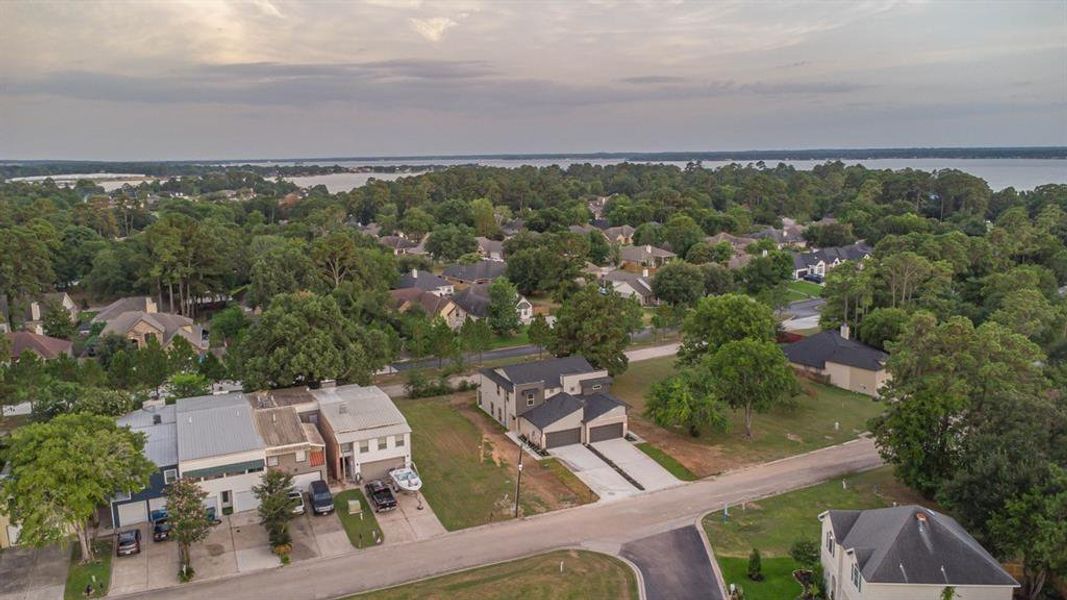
point(159, 424)
point(366, 435)
point(474, 302)
point(906, 552)
point(553, 402)
point(644, 257)
point(291, 445)
point(426, 281)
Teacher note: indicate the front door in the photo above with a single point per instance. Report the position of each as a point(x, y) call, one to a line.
point(227, 499)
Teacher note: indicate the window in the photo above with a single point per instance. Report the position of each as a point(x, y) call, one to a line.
point(857, 578)
point(301, 455)
point(529, 401)
point(597, 386)
point(398, 441)
point(170, 476)
point(364, 447)
point(272, 461)
point(830, 542)
point(383, 443)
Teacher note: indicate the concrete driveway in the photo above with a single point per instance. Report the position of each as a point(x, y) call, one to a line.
point(408, 522)
point(330, 536)
point(675, 566)
point(32, 574)
point(594, 472)
point(637, 464)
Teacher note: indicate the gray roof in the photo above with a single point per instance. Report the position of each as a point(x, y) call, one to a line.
point(161, 445)
point(216, 426)
point(855, 251)
point(642, 253)
point(490, 246)
point(912, 544)
point(599, 404)
point(639, 283)
point(816, 350)
point(549, 371)
point(122, 305)
point(481, 270)
point(474, 300)
point(424, 280)
point(357, 408)
point(553, 409)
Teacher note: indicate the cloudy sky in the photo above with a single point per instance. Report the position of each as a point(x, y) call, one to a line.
point(202, 79)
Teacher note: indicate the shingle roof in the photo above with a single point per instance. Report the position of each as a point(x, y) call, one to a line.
point(639, 283)
point(474, 300)
point(816, 350)
point(424, 280)
point(351, 408)
point(215, 426)
point(280, 426)
point(396, 242)
point(640, 253)
point(549, 370)
point(481, 270)
point(855, 251)
point(553, 409)
point(431, 304)
point(599, 404)
point(46, 347)
point(490, 246)
point(122, 305)
point(171, 325)
point(912, 544)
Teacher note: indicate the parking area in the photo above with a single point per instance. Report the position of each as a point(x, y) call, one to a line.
point(32, 574)
point(675, 566)
point(412, 520)
point(594, 472)
point(637, 464)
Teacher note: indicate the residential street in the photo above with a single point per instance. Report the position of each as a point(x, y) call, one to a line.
point(604, 527)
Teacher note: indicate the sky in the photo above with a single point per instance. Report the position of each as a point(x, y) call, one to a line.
point(199, 79)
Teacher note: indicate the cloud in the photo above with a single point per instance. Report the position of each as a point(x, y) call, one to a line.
point(433, 29)
point(652, 79)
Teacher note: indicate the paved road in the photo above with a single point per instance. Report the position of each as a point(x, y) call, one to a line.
point(675, 566)
point(605, 527)
point(805, 308)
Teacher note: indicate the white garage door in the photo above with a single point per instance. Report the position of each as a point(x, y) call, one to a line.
point(245, 500)
point(132, 513)
point(302, 481)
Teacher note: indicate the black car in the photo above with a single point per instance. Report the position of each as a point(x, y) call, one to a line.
point(161, 530)
point(128, 542)
point(814, 278)
point(321, 498)
point(380, 496)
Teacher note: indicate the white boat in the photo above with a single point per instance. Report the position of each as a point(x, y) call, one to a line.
point(406, 479)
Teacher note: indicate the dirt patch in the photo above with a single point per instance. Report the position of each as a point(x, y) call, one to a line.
point(702, 459)
point(215, 549)
point(542, 489)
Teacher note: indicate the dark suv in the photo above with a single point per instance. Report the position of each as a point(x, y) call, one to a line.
point(321, 498)
point(128, 542)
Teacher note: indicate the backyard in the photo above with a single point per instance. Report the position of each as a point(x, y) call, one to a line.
point(583, 575)
point(782, 432)
point(773, 524)
point(468, 466)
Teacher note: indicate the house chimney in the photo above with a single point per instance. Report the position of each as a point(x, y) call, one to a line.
point(644, 272)
point(648, 248)
point(845, 331)
point(415, 273)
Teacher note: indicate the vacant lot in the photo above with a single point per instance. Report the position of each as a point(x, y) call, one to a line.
point(783, 432)
point(468, 466)
point(584, 575)
point(773, 524)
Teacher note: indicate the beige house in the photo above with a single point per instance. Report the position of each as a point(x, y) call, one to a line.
point(906, 552)
point(406, 299)
point(650, 257)
point(292, 446)
point(365, 434)
point(139, 326)
point(832, 357)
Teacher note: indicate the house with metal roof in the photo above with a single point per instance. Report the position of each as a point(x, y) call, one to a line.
point(833, 358)
point(159, 425)
point(906, 552)
point(365, 434)
point(553, 402)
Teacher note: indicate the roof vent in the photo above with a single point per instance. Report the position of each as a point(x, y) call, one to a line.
point(157, 419)
point(343, 409)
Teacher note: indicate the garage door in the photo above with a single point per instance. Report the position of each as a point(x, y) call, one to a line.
point(563, 438)
point(244, 500)
point(605, 432)
point(157, 503)
point(302, 481)
point(379, 469)
point(132, 513)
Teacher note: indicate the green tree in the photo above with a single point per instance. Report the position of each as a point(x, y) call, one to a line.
point(450, 242)
point(755, 566)
point(849, 292)
point(679, 283)
point(484, 217)
point(717, 320)
point(503, 311)
point(276, 506)
point(279, 266)
point(442, 341)
point(883, 325)
point(212, 368)
point(63, 470)
point(718, 280)
point(475, 336)
point(151, 365)
point(25, 265)
point(335, 257)
point(600, 250)
point(751, 375)
point(597, 326)
point(682, 232)
point(57, 321)
point(188, 385)
point(416, 223)
point(829, 235)
point(227, 324)
point(540, 333)
point(188, 520)
point(676, 402)
point(1028, 312)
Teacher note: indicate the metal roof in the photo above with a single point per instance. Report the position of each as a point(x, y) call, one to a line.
point(215, 426)
point(161, 445)
point(351, 408)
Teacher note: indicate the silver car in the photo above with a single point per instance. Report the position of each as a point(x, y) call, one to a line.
point(298, 508)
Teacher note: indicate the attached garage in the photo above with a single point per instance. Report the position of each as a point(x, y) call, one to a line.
point(244, 500)
point(132, 513)
point(303, 480)
point(379, 469)
point(564, 437)
point(605, 432)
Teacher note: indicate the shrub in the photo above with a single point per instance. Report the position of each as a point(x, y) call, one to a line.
point(755, 566)
point(805, 552)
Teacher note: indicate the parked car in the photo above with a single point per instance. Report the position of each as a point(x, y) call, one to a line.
point(160, 525)
point(128, 542)
point(321, 498)
point(814, 278)
point(380, 496)
point(298, 507)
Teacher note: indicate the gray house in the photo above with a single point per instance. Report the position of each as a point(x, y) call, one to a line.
point(161, 447)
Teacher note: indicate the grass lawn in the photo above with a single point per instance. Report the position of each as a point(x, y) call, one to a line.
point(361, 530)
point(773, 524)
point(582, 493)
point(585, 575)
point(785, 431)
point(667, 462)
point(518, 339)
point(81, 575)
point(805, 289)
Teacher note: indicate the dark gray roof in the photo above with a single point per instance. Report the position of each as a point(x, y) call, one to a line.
point(424, 281)
point(912, 544)
point(549, 370)
point(639, 283)
point(599, 404)
point(481, 270)
point(554, 409)
point(474, 300)
point(855, 251)
point(815, 350)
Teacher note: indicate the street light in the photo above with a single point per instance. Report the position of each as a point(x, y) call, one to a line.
point(518, 482)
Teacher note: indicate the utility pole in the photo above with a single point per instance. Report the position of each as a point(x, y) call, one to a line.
point(518, 482)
